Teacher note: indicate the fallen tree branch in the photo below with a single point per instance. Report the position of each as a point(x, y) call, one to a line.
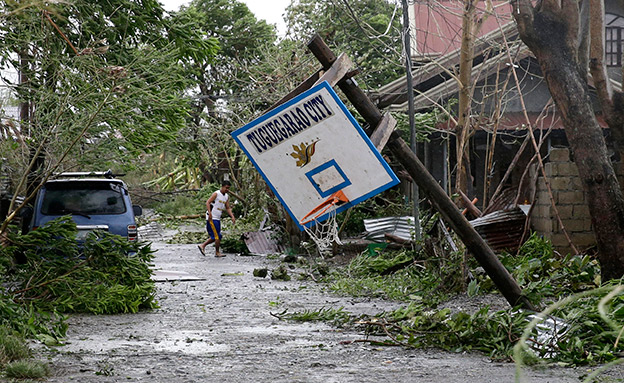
point(53, 280)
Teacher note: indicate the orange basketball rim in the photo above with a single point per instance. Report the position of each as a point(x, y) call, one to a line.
point(336, 199)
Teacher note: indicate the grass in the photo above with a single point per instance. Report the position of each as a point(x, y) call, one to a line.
point(15, 358)
point(12, 347)
point(26, 369)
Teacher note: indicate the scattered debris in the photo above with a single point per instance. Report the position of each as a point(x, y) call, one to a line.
point(322, 269)
point(402, 227)
point(281, 273)
point(239, 274)
point(262, 242)
point(502, 230)
point(470, 205)
point(261, 273)
point(550, 331)
point(171, 275)
point(290, 258)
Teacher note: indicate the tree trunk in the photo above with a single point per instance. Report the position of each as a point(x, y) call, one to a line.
point(551, 32)
point(463, 180)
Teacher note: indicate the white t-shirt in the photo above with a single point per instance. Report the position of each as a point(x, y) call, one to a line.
point(218, 205)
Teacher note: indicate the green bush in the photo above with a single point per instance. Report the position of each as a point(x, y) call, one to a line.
point(399, 275)
point(234, 245)
point(492, 333)
point(543, 274)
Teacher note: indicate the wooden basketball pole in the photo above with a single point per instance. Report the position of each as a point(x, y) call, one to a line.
point(438, 198)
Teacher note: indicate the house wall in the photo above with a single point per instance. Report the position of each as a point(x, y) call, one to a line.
point(571, 202)
point(438, 24)
point(533, 89)
point(615, 7)
point(532, 97)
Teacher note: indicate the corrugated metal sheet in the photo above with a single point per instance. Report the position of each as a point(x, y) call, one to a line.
point(502, 230)
point(262, 242)
point(402, 227)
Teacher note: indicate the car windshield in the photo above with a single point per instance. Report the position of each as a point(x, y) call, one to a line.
point(85, 198)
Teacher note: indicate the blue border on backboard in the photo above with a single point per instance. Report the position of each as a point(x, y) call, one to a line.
point(329, 164)
point(394, 180)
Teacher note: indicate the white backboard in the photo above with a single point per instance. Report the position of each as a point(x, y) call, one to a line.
point(311, 147)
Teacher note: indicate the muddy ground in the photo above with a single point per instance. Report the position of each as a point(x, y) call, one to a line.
point(220, 329)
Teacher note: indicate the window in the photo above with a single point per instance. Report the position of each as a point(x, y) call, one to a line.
point(83, 198)
point(613, 46)
point(614, 39)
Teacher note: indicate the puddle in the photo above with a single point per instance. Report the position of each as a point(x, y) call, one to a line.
point(187, 342)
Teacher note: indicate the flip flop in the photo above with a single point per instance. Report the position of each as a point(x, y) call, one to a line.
point(220, 256)
point(201, 250)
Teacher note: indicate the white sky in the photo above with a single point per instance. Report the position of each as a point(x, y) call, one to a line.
point(269, 10)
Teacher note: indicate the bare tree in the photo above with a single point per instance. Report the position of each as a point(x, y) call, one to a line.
point(471, 24)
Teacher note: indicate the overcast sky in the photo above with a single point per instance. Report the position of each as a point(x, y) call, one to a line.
point(269, 10)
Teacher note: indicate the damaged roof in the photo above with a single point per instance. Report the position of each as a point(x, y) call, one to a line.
point(435, 82)
point(430, 80)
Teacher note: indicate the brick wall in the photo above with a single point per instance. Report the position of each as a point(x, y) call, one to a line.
point(570, 200)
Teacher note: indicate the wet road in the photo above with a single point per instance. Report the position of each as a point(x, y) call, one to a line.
point(219, 328)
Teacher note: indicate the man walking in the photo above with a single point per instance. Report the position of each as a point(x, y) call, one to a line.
point(218, 201)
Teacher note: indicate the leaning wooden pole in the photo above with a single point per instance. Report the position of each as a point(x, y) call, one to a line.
point(438, 198)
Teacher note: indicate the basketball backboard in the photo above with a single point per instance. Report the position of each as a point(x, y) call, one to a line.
point(310, 148)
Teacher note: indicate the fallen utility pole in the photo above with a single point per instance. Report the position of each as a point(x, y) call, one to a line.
point(438, 198)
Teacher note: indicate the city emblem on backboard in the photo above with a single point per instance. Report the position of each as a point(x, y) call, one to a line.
point(303, 153)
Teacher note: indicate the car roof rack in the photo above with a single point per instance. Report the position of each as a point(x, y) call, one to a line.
point(107, 174)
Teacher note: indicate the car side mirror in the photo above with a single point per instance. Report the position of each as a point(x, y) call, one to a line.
point(138, 210)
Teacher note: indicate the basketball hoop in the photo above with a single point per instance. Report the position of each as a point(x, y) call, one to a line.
point(324, 233)
point(313, 154)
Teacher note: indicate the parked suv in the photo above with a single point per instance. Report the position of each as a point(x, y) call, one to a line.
point(95, 200)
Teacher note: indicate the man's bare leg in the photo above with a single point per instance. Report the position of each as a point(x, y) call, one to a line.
point(217, 244)
point(202, 247)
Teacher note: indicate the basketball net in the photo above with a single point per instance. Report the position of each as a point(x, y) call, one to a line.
point(325, 233)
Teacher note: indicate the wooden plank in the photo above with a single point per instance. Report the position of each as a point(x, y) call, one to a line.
point(437, 196)
point(337, 71)
point(382, 133)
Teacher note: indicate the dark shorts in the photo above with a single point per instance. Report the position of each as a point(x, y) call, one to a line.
point(214, 228)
